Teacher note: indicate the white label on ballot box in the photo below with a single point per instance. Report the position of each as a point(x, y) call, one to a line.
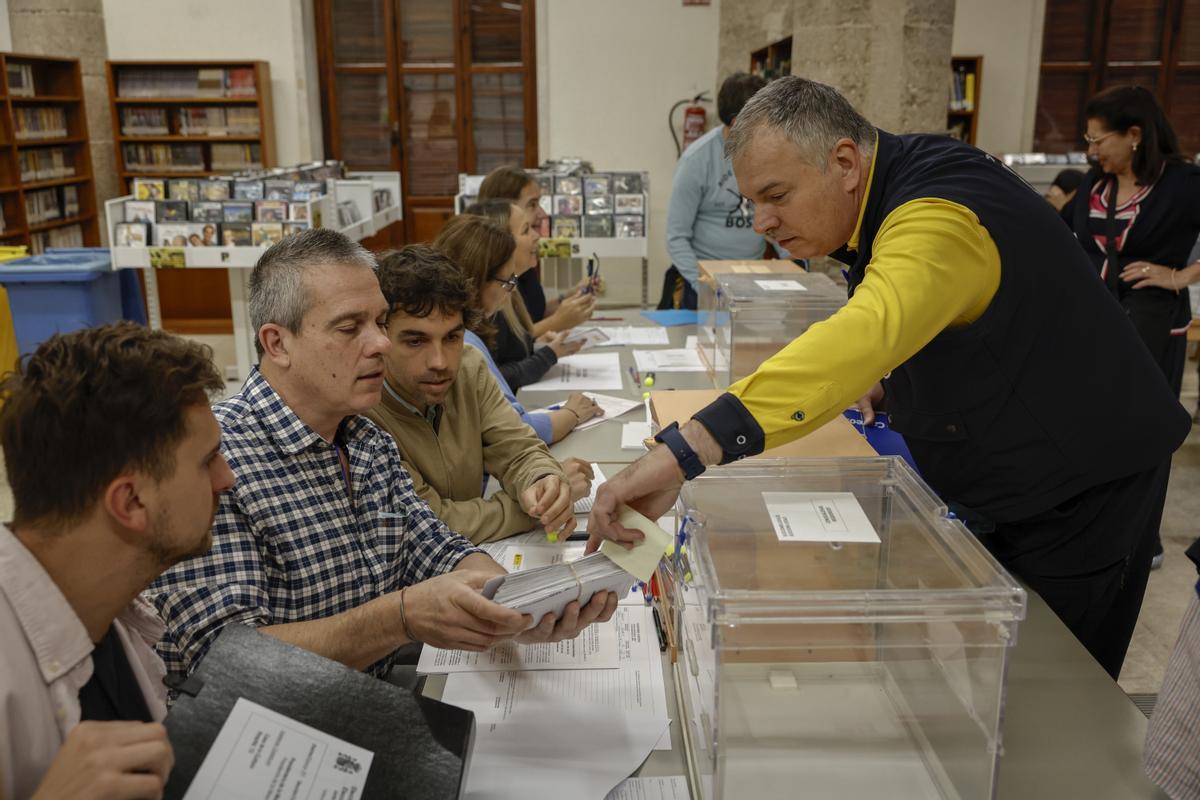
point(781, 286)
point(819, 517)
point(259, 755)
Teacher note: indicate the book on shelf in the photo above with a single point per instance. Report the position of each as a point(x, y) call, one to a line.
point(20, 79)
point(150, 82)
point(163, 157)
point(218, 121)
point(42, 205)
point(40, 122)
point(45, 164)
point(66, 236)
point(144, 122)
point(70, 201)
point(962, 89)
point(234, 157)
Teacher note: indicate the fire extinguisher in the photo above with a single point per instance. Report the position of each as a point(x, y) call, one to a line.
point(695, 120)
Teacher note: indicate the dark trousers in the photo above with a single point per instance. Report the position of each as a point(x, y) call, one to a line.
point(1089, 559)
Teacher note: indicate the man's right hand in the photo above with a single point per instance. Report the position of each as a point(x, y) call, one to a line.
point(110, 761)
point(449, 612)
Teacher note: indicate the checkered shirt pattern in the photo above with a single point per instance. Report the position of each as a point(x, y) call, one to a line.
point(288, 544)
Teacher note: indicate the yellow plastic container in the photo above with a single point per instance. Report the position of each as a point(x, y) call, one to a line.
point(8, 336)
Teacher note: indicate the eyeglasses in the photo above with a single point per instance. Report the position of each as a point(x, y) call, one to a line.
point(1091, 140)
point(508, 284)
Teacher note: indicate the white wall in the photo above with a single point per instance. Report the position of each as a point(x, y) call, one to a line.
point(279, 32)
point(608, 72)
point(1009, 37)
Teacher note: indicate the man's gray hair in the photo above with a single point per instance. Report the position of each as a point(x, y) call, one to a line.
point(277, 291)
point(812, 115)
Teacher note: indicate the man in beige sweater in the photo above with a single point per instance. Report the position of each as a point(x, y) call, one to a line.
point(449, 417)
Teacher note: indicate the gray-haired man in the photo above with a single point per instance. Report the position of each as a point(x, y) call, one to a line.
point(322, 542)
point(1024, 393)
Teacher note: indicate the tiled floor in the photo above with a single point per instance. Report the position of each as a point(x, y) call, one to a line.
point(1166, 598)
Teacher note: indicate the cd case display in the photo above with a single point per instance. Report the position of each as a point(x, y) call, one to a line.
point(599, 204)
point(599, 227)
point(597, 184)
point(628, 183)
point(568, 204)
point(630, 203)
point(629, 227)
point(131, 234)
point(568, 184)
point(566, 227)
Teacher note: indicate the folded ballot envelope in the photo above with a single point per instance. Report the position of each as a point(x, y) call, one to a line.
point(549, 589)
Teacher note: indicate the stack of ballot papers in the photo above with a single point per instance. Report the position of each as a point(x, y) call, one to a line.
point(679, 360)
point(549, 589)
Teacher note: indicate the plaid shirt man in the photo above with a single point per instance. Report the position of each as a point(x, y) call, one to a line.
point(289, 543)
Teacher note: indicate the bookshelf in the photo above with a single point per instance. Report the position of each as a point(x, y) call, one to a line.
point(772, 61)
point(182, 119)
point(179, 108)
point(962, 112)
point(47, 195)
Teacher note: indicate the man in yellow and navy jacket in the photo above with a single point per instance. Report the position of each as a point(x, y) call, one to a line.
point(1023, 391)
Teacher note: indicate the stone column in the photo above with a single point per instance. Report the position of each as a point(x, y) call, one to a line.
point(75, 29)
point(891, 58)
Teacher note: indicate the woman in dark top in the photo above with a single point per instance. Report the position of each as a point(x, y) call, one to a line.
point(1137, 214)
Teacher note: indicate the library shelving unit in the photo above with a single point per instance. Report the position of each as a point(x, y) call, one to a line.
point(178, 89)
point(773, 61)
point(45, 160)
point(962, 113)
point(195, 302)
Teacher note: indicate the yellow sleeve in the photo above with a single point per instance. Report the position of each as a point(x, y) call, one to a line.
point(933, 266)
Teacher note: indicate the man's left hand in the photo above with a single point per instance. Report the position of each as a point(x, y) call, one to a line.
point(574, 619)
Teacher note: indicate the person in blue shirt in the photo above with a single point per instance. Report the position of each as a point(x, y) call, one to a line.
point(707, 217)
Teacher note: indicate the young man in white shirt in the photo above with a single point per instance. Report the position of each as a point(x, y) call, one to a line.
point(113, 456)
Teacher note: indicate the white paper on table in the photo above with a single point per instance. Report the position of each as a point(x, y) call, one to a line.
point(781, 286)
point(584, 504)
point(556, 750)
point(691, 343)
point(582, 371)
point(669, 787)
point(260, 753)
point(677, 360)
point(612, 407)
point(634, 435)
point(594, 648)
point(819, 517)
point(642, 335)
point(635, 688)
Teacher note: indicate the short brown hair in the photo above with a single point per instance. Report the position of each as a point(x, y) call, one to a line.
point(480, 247)
point(89, 405)
point(504, 183)
point(416, 279)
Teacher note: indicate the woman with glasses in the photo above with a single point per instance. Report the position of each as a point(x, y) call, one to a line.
point(522, 355)
point(1137, 214)
point(484, 251)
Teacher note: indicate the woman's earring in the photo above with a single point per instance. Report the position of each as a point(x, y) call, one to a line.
point(1135, 144)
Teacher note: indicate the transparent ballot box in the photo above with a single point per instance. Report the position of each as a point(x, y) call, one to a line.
point(837, 635)
point(745, 319)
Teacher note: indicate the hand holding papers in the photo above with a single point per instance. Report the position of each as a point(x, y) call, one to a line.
point(548, 590)
point(645, 555)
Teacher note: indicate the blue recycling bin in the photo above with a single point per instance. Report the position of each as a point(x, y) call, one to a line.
point(59, 292)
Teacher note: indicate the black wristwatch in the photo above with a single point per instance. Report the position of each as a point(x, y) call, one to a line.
point(689, 462)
